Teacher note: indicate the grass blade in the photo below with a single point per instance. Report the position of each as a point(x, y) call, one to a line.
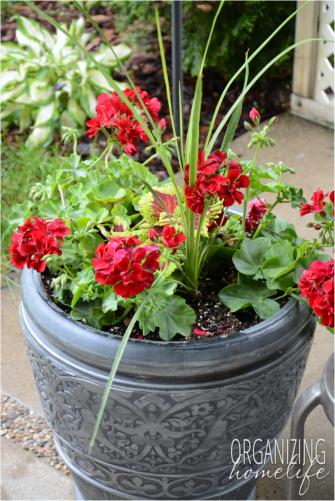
point(116, 363)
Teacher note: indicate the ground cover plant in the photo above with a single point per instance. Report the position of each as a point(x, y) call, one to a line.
point(46, 82)
point(123, 246)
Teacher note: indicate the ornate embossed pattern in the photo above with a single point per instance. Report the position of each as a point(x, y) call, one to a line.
point(163, 444)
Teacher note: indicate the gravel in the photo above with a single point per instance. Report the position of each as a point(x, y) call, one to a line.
point(29, 430)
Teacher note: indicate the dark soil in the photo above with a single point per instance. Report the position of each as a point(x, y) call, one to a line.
point(212, 317)
point(270, 97)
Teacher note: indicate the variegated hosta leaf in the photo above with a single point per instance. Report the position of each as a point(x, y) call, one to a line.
point(41, 92)
point(46, 115)
point(8, 77)
point(98, 80)
point(9, 110)
point(76, 112)
point(40, 136)
point(13, 93)
point(82, 67)
point(61, 40)
point(67, 121)
point(33, 30)
point(25, 118)
point(88, 99)
point(123, 51)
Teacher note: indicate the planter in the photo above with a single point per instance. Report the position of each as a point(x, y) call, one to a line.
point(174, 408)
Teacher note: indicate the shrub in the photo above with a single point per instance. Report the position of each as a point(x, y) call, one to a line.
point(47, 81)
point(243, 26)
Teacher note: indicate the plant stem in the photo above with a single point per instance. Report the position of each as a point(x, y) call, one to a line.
point(299, 298)
point(107, 155)
point(62, 196)
point(246, 196)
point(151, 158)
point(97, 160)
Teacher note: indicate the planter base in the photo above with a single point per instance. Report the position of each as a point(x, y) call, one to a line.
point(80, 497)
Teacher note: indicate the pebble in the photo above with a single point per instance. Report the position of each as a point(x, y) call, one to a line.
point(29, 431)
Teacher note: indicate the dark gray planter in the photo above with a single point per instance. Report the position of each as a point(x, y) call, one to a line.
point(174, 408)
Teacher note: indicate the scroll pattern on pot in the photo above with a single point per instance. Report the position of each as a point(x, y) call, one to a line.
point(164, 431)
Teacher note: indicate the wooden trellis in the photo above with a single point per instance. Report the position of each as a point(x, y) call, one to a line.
point(313, 73)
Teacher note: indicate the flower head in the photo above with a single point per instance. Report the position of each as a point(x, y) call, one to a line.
point(126, 265)
point(317, 285)
point(170, 240)
point(254, 115)
point(35, 240)
point(317, 205)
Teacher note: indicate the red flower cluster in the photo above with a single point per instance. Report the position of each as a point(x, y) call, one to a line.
point(257, 209)
point(318, 203)
point(317, 285)
point(120, 263)
point(35, 240)
point(113, 113)
point(171, 241)
point(211, 183)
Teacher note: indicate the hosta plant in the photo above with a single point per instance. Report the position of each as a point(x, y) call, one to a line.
point(46, 82)
point(122, 246)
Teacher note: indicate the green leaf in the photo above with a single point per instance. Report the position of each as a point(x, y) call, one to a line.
point(79, 190)
point(176, 318)
point(248, 292)
point(73, 164)
point(303, 263)
point(251, 257)
point(112, 302)
point(282, 283)
point(79, 292)
point(20, 213)
point(108, 192)
point(143, 173)
point(83, 311)
point(259, 187)
point(282, 261)
point(121, 211)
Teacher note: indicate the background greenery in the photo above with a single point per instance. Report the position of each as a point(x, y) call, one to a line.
point(240, 26)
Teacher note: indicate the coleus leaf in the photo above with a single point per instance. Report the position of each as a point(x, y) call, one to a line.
point(247, 292)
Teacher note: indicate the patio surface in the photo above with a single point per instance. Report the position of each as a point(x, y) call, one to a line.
point(309, 149)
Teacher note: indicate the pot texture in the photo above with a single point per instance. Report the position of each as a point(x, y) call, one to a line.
point(174, 409)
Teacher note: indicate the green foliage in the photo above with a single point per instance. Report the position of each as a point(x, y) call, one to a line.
point(241, 26)
point(47, 82)
point(246, 293)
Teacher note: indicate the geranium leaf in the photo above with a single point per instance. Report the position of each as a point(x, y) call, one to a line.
point(250, 258)
point(248, 292)
point(108, 192)
point(176, 318)
point(143, 173)
point(20, 213)
point(281, 262)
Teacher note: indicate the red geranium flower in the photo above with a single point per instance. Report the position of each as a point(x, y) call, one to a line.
point(228, 192)
point(317, 285)
point(317, 205)
point(170, 240)
point(34, 241)
point(254, 115)
point(120, 263)
point(113, 113)
point(257, 209)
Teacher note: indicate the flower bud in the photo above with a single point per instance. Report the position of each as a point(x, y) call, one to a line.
point(317, 227)
point(273, 121)
point(254, 115)
point(250, 145)
point(271, 142)
point(161, 126)
point(310, 225)
point(248, 126)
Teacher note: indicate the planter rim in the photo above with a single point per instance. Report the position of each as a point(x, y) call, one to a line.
point(176, 359)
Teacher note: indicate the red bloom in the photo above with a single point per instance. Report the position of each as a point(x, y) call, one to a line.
point(317, 206)
point(152, 234)
point(120, 263)
point(170, 240)
point(317, 285)
point(331, 197)
point(113, 113)
point(254, 115)
point(34, 241)
point(257, 209)
point(228, 192)
point(194, 200)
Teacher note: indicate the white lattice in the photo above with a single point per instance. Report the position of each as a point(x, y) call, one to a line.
point(324, 77)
